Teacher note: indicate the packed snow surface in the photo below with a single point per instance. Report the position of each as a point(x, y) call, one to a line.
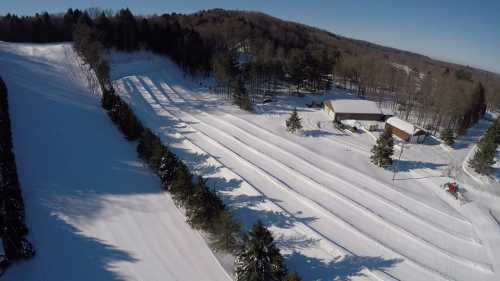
point(94, 211)
point(333, 213)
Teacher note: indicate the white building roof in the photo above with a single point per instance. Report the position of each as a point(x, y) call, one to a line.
point(402, 125)
point(354, 106)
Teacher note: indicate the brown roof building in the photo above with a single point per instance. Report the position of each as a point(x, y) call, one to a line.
point(405, 131)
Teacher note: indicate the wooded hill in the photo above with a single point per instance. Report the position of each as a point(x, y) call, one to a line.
point(431, 93)
point(254, 56)
point(267, 35)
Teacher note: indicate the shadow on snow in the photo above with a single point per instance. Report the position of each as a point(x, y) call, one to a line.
point(245, 207)
point(343, 269)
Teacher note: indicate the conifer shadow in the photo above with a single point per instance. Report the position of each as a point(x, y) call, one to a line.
point(90, 258)
point(317, 133)
point(345, 268)
point(409, 165)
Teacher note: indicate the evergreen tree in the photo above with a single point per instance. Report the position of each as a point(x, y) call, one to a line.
point(241, 97)
point(128, 122)
point(12, 227)
point(102, 73)
point(260, 259)
point(226, 232)
point(181, 187)
point(145, 145)
point(158, 151)
point(494, 131)
point(383, 149)
point(293, 123)
point(105, 30)
point(447, 136)
point(126, 31)
point(168, 164)
point(84, 19)
point(203, 205)
point(484, 157)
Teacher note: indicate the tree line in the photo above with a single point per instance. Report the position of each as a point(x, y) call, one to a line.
point(247, 67)
point(254, 56)
point(258, 258)
point(271, 54)
point(13, 229)
point(436, 99)
point(122, 30)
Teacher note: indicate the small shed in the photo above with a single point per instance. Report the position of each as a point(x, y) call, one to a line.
point(352, 109)
point(405, 130)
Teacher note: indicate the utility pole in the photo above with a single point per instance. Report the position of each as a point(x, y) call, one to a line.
point(399, 159)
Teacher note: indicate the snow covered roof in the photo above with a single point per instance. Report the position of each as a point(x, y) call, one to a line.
point(354, 106)
point(403, 125)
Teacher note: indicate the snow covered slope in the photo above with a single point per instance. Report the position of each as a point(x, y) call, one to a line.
point(335, 215)
point(94, 211)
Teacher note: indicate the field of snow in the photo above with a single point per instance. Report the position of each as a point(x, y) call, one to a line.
point(94, 211)
point(334, 214)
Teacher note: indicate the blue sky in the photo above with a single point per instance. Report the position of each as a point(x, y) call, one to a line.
point(466, 32)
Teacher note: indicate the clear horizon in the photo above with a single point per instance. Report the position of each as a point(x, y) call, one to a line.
point(455, 31)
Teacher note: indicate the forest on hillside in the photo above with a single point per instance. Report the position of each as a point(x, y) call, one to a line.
point(254, 56)
point(430, 93)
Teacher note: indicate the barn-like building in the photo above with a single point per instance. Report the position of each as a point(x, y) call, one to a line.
point(344, 109)
point(405, 130)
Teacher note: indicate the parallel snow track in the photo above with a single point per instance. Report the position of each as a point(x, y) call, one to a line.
point(377, 184)
point(336, 218)
point(369, 193)
point(365, 210)
point(304, 229)
point(357, 173)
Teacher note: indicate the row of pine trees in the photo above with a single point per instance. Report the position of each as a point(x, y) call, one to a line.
point(258, 258)
point(13, 229)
